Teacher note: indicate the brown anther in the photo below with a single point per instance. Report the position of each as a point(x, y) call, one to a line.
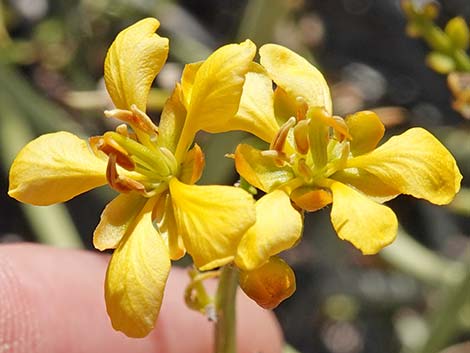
point(337, 123)
point(109, 146)
point(95, 143)
point(280, 158)
point(135, 118)
point(281, 136)
point(301, 140)
point(118, 182)
point(304, 170)
point(122, 130)
point(301, 113)
point(143, 121)
point(340, 128)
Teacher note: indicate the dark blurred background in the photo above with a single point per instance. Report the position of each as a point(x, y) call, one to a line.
point(413, 297)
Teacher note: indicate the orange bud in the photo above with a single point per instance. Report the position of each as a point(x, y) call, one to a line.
point(269, 284)
point(311, 200)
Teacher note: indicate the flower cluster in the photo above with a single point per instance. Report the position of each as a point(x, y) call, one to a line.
point(314, 159)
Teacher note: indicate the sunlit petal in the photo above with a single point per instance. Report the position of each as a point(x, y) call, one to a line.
point(367, 183)
point(172, 120)
point(269, 284)
point(366, 130)
point(259, 170)
point(187, 80)
point(218, 86)
point(369, 226)
point(212, 219)
point(55, 168)
point(164, 217)
point(136, 278)
point(278, 227)
point(133, 60)
point(414, 163)
point(116, 218)
point(256, 111)
point(296, 75)
point(284, 106)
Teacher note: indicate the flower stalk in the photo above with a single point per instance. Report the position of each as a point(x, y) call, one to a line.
point(225, 329)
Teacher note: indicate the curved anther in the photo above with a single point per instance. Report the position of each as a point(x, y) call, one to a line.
point(118, 182)
point(135, 118)
point(281, 136)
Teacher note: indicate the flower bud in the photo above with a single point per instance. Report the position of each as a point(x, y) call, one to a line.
point(269, 284)
point(440, 63)
point(458, 32)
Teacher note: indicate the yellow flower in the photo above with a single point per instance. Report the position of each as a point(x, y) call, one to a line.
point(319, 159)
point(154, 169)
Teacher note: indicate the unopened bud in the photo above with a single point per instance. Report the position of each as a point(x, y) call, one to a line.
point(458, 32)
point(440, 63)
point(269, 284)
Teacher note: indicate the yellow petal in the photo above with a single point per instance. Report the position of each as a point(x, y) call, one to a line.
point(133, 60)
point(216, 91)
point(414, 163)
point(259, 170)
point(172, 120)
point(284, 106)
point(136, 277)
point(367, 183)
point(296, 76)
point(55, 168)
point(256, 112)
point(269, 284)
point(369, 226)
point(211, 219)
point(366, 130)
point(116, 218)
point(278, 227)
point(187, 80)
point(164, 217)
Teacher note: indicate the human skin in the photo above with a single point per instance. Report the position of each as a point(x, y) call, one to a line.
point(52, 300)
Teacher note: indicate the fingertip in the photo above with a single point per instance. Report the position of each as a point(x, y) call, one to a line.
point(52, 300)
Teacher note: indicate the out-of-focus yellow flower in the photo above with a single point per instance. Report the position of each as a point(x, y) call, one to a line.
point(153, 168)
point(320, 159)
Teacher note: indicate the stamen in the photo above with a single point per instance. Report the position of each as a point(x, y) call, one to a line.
point(144, 122)
point(281, 136)
point(302, 144)
point(304, 170)
point(340, 128)
point(109, 146)
point(170, 159)
point(280, 158)
point(135, 118)
point(151, 158)
point(301, 113)
point(118, 182)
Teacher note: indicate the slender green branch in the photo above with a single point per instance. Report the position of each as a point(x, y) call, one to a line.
point(225, 330)
point(444, 322)
point(53, 224)
point(409, 256)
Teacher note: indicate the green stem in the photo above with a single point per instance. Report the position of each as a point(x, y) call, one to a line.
point(225, 331)
point(431, 267)
point(444, 323)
